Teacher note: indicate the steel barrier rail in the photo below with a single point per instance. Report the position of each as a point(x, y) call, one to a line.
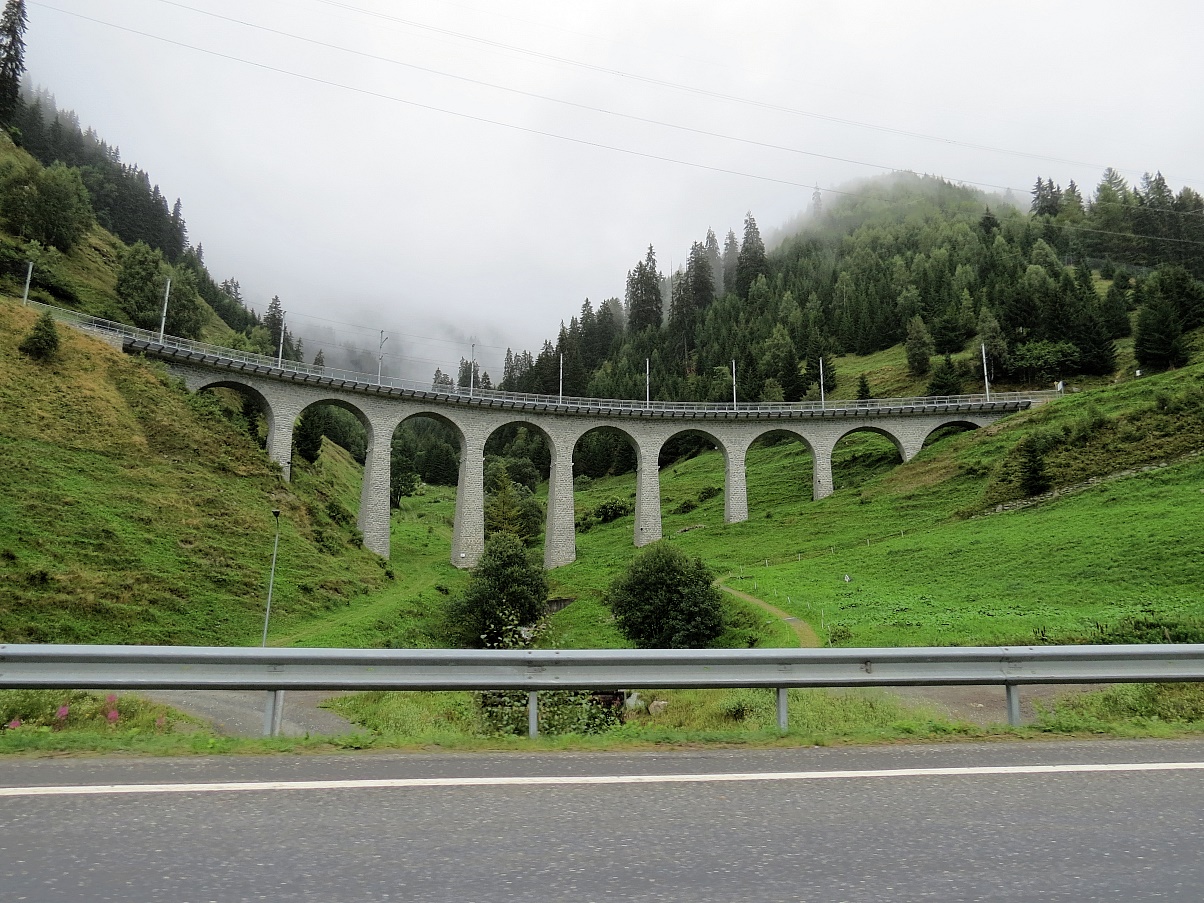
point(225, 668)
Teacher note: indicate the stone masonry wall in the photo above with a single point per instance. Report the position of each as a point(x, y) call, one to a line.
point(283, 400)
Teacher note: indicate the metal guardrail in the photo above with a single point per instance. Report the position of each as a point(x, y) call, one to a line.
point(173, 347)
point(224, 668)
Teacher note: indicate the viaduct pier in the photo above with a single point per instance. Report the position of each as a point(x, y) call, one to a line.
point(284, 389)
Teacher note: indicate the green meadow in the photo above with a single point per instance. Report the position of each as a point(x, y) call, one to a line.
point(132, 512)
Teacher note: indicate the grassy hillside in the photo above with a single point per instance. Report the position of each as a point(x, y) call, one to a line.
point(132, 512)
point(929, 559)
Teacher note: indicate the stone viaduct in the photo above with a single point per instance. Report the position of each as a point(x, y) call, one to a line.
point(284, 393)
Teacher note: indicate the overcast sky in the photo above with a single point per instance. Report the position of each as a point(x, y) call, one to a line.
point(464, 170)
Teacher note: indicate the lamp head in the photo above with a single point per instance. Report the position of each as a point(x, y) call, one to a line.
point(276, 513)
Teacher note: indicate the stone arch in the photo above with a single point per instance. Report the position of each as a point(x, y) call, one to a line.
point(439, 417)
point(897, 442)
point(732, 448)
point(962, 424)
point(633, 442)
point(760, 447)
point(245, 389)
point(580, 467)
point(279, 410)
point(549, 441)
point(355, 410)
point(468, 524)
point(372, 518)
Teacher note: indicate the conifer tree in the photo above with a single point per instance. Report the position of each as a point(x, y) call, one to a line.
point(731, 259)
point(919, 347)
point(644, 304)
point(1158, 339)
point(42, 343)
point(988, 223)
point(715, 259)
point(945, 379)
point(1114, 309)
point(863, 388)
point(310, 428)
point(12, 59)
point(1034, 479)
point(751, 262)
point(1097, 351)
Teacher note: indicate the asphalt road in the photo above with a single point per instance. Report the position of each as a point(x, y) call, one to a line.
point(789, 830)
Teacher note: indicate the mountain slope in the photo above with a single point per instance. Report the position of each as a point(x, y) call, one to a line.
point(133, 512)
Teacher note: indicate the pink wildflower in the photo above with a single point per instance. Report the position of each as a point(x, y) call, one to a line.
point(14, 724)
point(113, 716)
point(111, 698)
point(61, 714)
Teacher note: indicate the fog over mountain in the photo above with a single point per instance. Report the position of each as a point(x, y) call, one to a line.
point(457, 173)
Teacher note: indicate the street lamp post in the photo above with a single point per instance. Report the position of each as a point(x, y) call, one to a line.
point(380, 357)
point(274, 711)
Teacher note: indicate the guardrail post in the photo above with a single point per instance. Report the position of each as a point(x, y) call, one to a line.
point(532, 714)
point(269, 713)
point(273, 713)
point(1013, 695)
point(783, 716)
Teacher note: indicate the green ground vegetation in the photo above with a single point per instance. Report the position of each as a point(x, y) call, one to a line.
point(134, 512)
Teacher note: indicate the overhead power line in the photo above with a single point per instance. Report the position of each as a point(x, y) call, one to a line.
point(646, 120)
point(692, 89)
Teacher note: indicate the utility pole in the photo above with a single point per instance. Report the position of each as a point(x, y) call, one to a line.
point(163, 319)
point(647, 384)
point(562, 379)
point(822, 399)
point(280, 351)
point(985, 380)
point(733, 384)
point(380, 356)
point(472, 368)
point(28, 277)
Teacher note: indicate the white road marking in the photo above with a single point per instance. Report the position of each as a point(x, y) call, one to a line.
point(562, 780)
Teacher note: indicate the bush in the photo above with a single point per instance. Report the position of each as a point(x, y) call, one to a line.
point(604, 513)
point(612, 510)
point(42, 343)
point(665, 600)
point(560, 711)
point(506, 591)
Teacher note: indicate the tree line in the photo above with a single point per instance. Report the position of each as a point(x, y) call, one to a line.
point(906, 259)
